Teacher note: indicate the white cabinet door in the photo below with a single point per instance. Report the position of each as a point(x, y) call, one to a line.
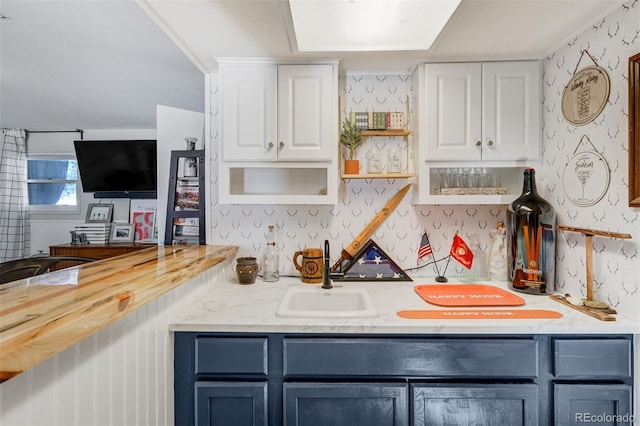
point(249, 119)
point(453, 111)
point(483, 111)
point(511, 110)
point(306, 129)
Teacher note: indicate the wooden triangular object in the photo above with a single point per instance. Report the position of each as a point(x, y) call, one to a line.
point(371, 263)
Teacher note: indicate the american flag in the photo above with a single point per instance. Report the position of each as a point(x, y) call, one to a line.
point(425, 247)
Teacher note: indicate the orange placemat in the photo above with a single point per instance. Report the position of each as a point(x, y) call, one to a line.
point(479, 314)
point(467, 295)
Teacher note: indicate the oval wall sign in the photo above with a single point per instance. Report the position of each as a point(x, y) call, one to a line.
point(586, 95)
point(586, 178)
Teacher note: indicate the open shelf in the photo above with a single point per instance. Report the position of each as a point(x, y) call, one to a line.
point(470, 199)
point(404, 133)
point(379, 176)
point(387, 132)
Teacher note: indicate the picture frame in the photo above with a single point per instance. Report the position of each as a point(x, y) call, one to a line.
point(634, 130)
point(99, 213)
point(122, 233)
point(142, 215)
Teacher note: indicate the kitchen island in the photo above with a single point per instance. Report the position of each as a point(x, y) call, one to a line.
point(90, 344)
point(235, 355)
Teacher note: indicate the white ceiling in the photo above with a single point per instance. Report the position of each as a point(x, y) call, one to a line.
point(104, 64)
point(89, 65)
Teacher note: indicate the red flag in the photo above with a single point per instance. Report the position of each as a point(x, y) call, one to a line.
point(461, 252)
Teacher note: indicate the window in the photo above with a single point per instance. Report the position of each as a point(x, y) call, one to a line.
point(52, 183)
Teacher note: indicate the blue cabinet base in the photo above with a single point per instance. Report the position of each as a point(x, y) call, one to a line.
point(369, 380)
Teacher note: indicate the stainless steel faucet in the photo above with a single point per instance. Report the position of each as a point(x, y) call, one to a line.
point(326, 269)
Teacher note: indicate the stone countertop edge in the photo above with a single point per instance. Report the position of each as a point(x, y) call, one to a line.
point(235, 308)
point(43, 315)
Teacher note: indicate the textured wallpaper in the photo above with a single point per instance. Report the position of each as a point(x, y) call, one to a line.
point(616, 263)
point(299, 226)
point(359, 200)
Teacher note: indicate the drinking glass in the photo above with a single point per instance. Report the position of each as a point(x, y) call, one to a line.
point(446, 184)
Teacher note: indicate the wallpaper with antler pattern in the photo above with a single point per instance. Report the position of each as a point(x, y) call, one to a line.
point(616, 263)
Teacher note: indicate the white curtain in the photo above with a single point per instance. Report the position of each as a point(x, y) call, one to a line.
point(15, 236)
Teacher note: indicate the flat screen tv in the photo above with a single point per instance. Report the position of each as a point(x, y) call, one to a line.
point(118, 168)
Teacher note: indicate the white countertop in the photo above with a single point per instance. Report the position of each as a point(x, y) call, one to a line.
point(232, 307)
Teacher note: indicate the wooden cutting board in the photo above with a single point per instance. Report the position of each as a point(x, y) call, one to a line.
point(479, 314)
point(467, 295)
point(601, 314)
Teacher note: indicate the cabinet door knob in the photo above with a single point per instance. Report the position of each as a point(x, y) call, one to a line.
point(478, 143)
point(270, 145)
point(490, 142)
point(281, 144)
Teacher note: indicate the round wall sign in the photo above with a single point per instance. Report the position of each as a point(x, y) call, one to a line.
point(586, 178)
point(586, 95)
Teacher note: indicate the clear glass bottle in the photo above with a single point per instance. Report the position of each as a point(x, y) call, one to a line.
point(374, 161)
point(271, 258)
point(478, 270)
point(531, 246)
point(394, 161)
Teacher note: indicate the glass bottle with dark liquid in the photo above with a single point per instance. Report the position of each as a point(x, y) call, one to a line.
point(531, 226)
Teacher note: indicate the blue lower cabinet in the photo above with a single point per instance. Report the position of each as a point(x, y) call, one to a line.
point(276, 379)
point(596, 404)
point(473, 404)
point(230, 404)
point(345, 404)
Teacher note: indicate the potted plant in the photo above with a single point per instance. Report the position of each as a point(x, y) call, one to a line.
point(351, 138)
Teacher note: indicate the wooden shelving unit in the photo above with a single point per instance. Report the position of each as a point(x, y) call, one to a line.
point(384, 133)
point(175, 212)
point(379, 176)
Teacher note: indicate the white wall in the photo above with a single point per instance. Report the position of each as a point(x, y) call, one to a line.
point(616, 264)
point(174, 125)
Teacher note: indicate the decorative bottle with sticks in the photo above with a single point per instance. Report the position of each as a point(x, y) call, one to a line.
point(531, 226)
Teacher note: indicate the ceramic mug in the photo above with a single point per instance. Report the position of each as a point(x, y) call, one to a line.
point(311, 267)
point(247, 270)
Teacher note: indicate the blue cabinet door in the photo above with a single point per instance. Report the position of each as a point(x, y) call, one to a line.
point(345, 404)
point(474, 404)
point(230, 404)
point(601, 404)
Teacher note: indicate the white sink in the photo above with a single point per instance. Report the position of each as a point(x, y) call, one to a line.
point(315, 302)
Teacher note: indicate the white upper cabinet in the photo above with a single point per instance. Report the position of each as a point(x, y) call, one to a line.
point(249, 107)
point(278, 132)
point(511, 110)
point(482, 111)
point(306, 126)
point(278, 112)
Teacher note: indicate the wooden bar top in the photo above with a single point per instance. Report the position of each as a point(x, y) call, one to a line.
point(45, 314)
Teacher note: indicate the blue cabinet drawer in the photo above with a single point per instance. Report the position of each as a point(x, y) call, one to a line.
point(460, 358)
point(592, 358)
point(232, 355)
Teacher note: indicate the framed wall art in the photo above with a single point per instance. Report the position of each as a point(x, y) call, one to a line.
point(586, 94)
point(634, 131)
point(586, 176)
point(143, 217)
point(122, 233)
point(99, 213)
